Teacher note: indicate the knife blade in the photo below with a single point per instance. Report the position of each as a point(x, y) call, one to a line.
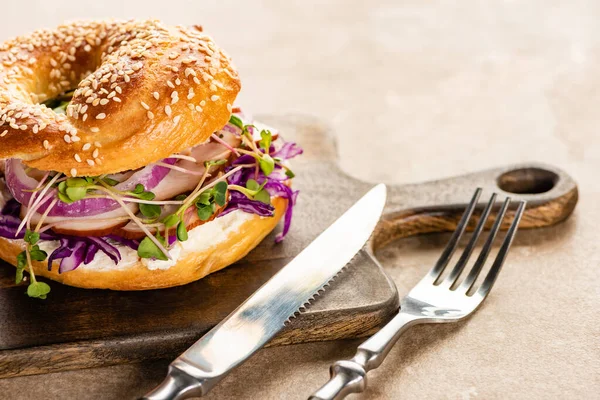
point(263, 315)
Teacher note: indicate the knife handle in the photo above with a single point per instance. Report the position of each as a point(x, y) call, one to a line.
point(350, 376)
point(178, 385)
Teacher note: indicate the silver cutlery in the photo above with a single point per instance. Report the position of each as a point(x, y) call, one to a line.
point(435, 299)
point(264, 314)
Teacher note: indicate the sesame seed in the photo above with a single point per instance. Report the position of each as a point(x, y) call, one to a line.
point(46, 145)
point(190, 95)
point(97, 144)
point(146, 106)
point(95, 102)
point(170, 84)
point(177, 81)
point(67, 138)
point(75, 138)
point(4, 133)
point(126, 77)
point(196, 81)
point(86, 146)
point(214, 97)
point(118, 89)
point(202, 103)
point(168, 110)
point(174, 69)
point(23, 127)
point(104, 102)
point(150, 115)
point(94, 129)
point(198, 108)
point(176, 119)
point(98, 161)
point(213, 87)
point(85, 116)
point(228, 107)
point(95, 153)
point(90, 163)
point(103, 115)
point(156, 95)
point(118, 100)
point(77, 158)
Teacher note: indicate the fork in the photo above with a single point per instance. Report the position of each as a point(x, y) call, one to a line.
point(433, 300)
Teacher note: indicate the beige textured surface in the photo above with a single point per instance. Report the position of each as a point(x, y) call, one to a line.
point(416, 90)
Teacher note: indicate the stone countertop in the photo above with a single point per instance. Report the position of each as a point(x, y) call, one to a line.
point(415, 91)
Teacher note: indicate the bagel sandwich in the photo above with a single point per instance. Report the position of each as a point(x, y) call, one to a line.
point(124, 164)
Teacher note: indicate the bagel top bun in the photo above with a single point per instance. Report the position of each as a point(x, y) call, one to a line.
point(143, 91)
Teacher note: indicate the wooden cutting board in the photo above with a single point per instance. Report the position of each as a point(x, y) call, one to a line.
point(76, 328)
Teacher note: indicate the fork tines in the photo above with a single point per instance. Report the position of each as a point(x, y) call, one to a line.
point(451, 281)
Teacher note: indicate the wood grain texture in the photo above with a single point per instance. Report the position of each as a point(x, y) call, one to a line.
point(77, 328)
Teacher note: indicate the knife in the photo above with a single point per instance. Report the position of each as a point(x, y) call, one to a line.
point(195, 372)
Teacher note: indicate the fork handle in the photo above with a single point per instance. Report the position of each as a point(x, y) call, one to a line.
point(350, 376)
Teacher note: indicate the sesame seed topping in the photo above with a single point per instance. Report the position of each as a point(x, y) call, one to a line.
point(118, 89)
point(198, 108)
point(94, 129)
point(102, 115)
point(202, 103)
point(73, 172)
point(196, 81)
point(118, 100)
point(150, 115)
point(168, 110)
point(46, 145)
point(170, 84)
point(176, 119)
point(90, 163)
point(97, 144)
point(95, 153)
point(77, 158)
point(4, 133)
point(146, 106)
point(86, 146)
point(98, 161)
point(75, 138)
point(228, 107)
point(67, 138)
point(214, 97)
point(104, 102)
point(177, 81)
point(156, 95)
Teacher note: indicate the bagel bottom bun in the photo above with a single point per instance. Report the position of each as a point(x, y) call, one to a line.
point(137, 276)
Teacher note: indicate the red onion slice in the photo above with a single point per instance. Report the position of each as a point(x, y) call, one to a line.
point(19, 183)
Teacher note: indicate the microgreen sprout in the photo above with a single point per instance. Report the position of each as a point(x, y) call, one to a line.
point(32, 252)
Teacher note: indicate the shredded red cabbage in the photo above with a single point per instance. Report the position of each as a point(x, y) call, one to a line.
point(72, 251)
point(274, 185)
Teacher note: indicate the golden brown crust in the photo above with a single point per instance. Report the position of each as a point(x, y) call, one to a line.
point(137, 277)
point(144, 91)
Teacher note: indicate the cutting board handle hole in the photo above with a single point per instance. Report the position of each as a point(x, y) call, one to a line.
point(527, 181)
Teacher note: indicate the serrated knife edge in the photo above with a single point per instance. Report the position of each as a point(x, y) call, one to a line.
point(264, 314)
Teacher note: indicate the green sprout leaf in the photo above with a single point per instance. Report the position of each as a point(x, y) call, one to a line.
point(150, 210)
point(181, 197)
point(77, 182)
point(252, 185)
point(36, 254)
point(139, 189)
point(263, 196)
point(212, 163)
point(205, 212)
point(265, 141)
point(76, 193)
point(21, 264)
point(31, 237)
point(110, 181)
point(289, 174)
point(237, 121)
point(182, 234)
point(220, 191)
point(148, 196)
point(203, 199)
point(148, 249)
point(171, 221)
point(64, 198)
point(38, 290)
point(62, 187)
point(267, 164)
